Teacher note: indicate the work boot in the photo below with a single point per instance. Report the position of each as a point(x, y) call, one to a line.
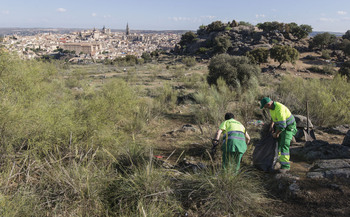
point(277, 166)
point(283, 171)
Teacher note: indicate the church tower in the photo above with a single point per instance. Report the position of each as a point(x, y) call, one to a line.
point(127, 29)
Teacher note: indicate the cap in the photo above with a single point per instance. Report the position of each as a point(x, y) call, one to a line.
point(264, 101)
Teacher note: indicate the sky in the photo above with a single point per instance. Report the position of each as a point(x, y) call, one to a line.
point(322, 15)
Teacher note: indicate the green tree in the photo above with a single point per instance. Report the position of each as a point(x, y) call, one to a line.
point(270, 26)
point(147, 57)
point(301, 31)
point(222, 44)
point(345, 70)
point(345, 46)
point(258, 55)
point(237, 71)
point(322, 40)
point(187, 38)
point(202, 30)
point(284, 54)
point(243, 23)
point(346, 35)
point(215, 26)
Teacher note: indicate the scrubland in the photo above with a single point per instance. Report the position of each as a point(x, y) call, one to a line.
point(80, 140)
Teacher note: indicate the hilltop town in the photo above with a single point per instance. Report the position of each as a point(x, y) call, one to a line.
point(86, 44)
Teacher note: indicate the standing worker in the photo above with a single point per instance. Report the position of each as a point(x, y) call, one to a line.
point(283, 128)
point(234, 143)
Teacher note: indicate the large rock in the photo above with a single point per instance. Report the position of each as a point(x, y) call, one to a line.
point(319, 149)
point(331, 169)
point(339, 130)
point(346, 140)
point(302, 121)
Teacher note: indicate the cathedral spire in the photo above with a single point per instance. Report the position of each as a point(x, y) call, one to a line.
point(127, 29)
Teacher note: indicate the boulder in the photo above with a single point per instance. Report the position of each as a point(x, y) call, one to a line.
point(319, 149)
point(339, 130)
point(346, 140)
point(330, 169)
point(263, 45)
point(302, 121)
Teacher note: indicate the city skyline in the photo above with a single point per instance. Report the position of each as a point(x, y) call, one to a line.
point(322, 15)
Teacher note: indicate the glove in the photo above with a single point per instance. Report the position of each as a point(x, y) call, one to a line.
point(215, 142)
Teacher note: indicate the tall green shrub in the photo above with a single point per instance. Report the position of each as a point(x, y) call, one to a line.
point(328, 99)
point(236, 71)
point(283, 54)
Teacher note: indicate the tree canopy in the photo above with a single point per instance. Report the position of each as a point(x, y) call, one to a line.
point(237, 71)
point(294, 29)
point(187, 38)
point(322, 40)
point(258, 55)
point(284, 54)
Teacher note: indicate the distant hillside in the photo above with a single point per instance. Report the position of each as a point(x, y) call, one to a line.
point(237, 39)
point(34, 31)
point(338, 34)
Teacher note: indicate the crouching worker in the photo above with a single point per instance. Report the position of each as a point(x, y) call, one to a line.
point(234, 142)
point(283, 127)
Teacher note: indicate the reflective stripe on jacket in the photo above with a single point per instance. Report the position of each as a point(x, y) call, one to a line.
point(281, 116)
point(233, 136)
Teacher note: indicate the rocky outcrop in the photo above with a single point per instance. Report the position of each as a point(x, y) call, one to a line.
point(339, 130)
point(319, 149)
point(331, 169)
point(346, 141)
point(245, 38)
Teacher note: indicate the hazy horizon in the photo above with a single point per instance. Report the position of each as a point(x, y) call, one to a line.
point(159, 15)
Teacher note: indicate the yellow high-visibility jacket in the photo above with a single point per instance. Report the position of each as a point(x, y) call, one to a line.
point(281, 116)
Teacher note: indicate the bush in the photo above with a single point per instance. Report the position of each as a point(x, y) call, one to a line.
point(189, 61)
point(166, 97)
point(326, 69)
point(345, 70)
point(128, 60)
point(328, 99)
point(224, 194)
point(60, 139)
point(325, 54)
point(147, 57)
point(143, 190)
point(258, 55)
point(203, 50)
point(243, 23)
point(221, 44)
point(236, 71)
point(213, 102)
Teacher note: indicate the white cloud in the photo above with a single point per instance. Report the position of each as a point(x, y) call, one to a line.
point(62, 10)
point(94, 14)
point(5, 12)
point(260, 15)
point(200, 19)
point(342, 12)
point(210, 17)
point(324, 19)
point(107, 16)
